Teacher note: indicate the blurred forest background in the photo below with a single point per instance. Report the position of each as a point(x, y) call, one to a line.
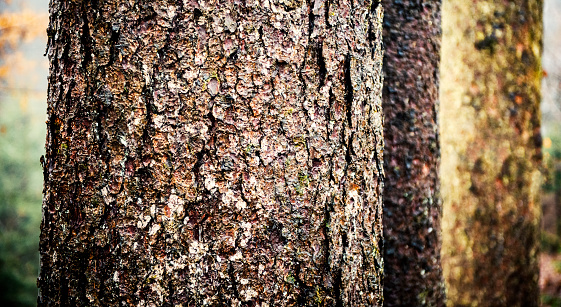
point(23, 88)
point(550, 259)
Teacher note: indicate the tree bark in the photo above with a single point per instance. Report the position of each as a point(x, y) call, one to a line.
point(491, 151)
point(213, 153)
point(412, 206)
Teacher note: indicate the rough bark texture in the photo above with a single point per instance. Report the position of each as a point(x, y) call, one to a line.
point(491, 151)
point(412, 206)
point(213, 153)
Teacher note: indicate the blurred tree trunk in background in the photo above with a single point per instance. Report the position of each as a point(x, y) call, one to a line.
point(412, 206)
point(491, 151)
point(213, 153)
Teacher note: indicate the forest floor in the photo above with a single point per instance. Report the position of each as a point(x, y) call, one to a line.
point(550, 279)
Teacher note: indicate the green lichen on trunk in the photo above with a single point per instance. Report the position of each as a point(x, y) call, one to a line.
point(412, 206)
point(491, 151)
point(205, 153)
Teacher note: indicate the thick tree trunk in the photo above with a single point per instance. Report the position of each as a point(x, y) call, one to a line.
point(213, 153)
point(491, 151)
point(412, 206)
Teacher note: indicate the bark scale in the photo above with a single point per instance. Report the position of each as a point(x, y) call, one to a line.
point(491, 151)
point(205, 153)
point(412, 205)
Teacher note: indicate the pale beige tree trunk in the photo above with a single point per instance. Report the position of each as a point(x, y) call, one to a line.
point(219, 153)
point(491, 151)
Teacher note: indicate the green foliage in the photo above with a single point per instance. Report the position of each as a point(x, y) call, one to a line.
point(550, 243)
point(21, 139)
point(549, 300)
point(557, 266)
point(552, 159)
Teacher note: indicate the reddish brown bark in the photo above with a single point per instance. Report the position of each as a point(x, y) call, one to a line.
point(213, 153)
point(412, 206)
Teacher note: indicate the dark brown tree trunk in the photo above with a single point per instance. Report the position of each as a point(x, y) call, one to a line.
point(491, 151)
point(412, 206)
point(213, 153)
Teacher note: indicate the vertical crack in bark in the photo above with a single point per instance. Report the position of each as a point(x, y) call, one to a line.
point(233, 281)
point(240, 188)
point(147, 95)
point(348, 89)
point(301, 77)
point(321, 64)
point(54, 128)
point(364, 263)
point(197, 13)
point(171, 290)
point(338, 281)
point(379, 164)
point(83, 278)
point(352, 5)
point(349, 109)
point(113, 39)
point(372, 30)
point(328, 117)
point(304, 290)
point(197, 168)
point(347, 142)
point(260, 31)
point(327, 5)
point(69, 105)
point(311, 18)
point(212, 130)
point(349, 152)
point(328, 208)
point(374, 6)
point(86, 40)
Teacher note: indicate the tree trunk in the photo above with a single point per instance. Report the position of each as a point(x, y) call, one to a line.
point(412, 206)
point(213, 153)
point(491, 151)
